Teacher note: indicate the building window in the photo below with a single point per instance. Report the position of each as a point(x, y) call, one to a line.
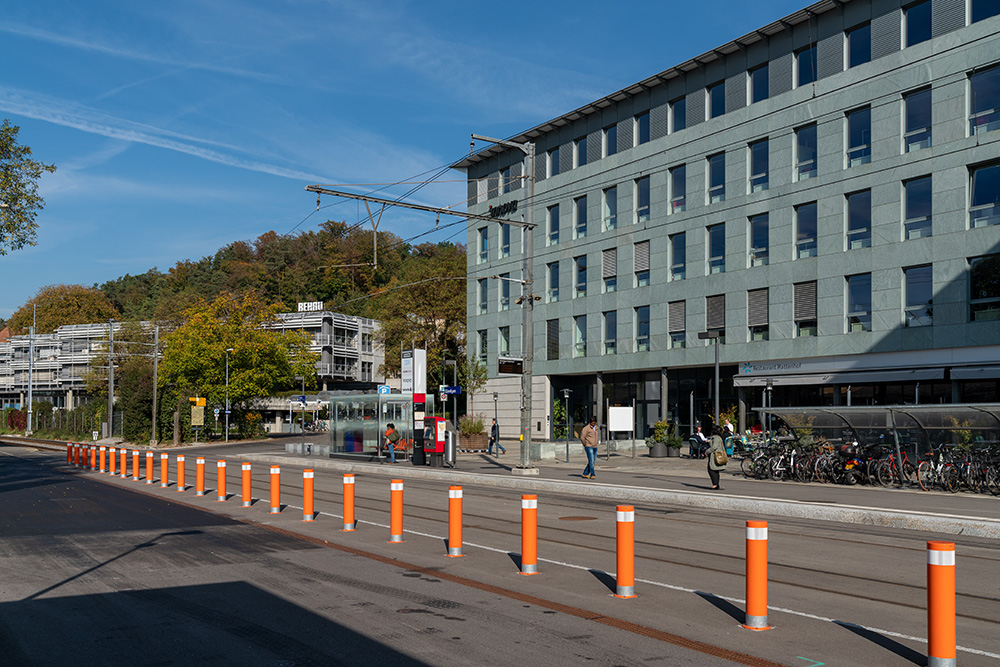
point(642, 329)
point(759, 167)
point(859, 220)
point(715, 317)
point(984, 9)
point(484, 245)
point(484, 345)
point(918, 287)
point(757, 316)
point(917, 22)
point(717, 248)
point(552, 215)
point(678, 256)
point(553, 162)
point(758, 240)
point(805, 152)
point(805, 230)
point(641, 198)
point(611, 332)
point(859, 302)
point(677, 323)
point(678, 114)
point(483, 294)
point(917, 208)
point(610, 140)
point(985, 190)
point(917, 120)
point(581, 277)
point(610, 197)
point(580, 152)
point(984, 288)
point(504, 341)
point(504, 291)
point(717, 178)
point(859, 137)
point(641, 261)
point(758, 83)
point(678, 189)
point(580, 208)
point(804, 309)
point(552, 340)
point(859, 45)
point(641, 128)
point(553, 274)
point(609, 269)
point(505, 178)
point(805, 66)
point(716, 99)
point(580, 336)
point(984, 88)
point(482, 186)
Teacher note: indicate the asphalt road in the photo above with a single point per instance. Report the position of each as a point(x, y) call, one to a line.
point(119, 572)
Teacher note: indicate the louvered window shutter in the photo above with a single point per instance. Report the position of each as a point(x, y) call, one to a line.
point(642, 256)
point(805, 301)
point(610, 264)
point(552, 339)
point(678, 316)
point(715, 315)
point(757, 307)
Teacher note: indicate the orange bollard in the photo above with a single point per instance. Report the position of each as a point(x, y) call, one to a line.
point(307, 495)
point(69, 452)
point(164, 464)
point(941, 629)
point(396, 511)
point(123, 471)
point(199, 476)
point(349, 522)
point(72, 454)
point(180, 474)
point(625, 584)
point(275, 489)
point(246, 484)
point(104, 456)
point(93, 457)
point(220, 486)
point(756, 613)
point(454, 522)
point(149, 467)
point(529, 534)
point(135, 465)
point(112, 460)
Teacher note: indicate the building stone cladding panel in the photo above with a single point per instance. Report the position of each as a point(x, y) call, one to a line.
point(946, 16)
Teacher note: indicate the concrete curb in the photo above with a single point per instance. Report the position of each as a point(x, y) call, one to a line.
point(946, 524)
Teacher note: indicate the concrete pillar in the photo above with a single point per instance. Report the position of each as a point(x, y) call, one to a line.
point(956, 391)
point(664, 402)
point(741, 397)
point(599, 400)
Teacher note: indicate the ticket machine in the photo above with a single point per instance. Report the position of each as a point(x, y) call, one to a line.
point(435, 429)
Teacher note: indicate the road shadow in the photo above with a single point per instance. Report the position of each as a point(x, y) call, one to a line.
point(724, 606)
point(705, 487)
point(516, 559)
point(888, 644)
point(605, 579)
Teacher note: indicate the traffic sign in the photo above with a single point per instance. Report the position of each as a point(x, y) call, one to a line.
point(216, 412)
point(299, 399)
point(445, 389)
point(383, 389)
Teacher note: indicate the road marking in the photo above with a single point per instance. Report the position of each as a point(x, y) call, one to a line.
point(815, 664)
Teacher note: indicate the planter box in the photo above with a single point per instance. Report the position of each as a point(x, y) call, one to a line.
point(658, 450)
point(478, 441)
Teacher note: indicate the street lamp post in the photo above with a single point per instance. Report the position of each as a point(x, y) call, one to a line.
point(302, 377)
point(454, 399)
point(496, 397)
point(566, 393)
point(228, 350)
point(714, 335)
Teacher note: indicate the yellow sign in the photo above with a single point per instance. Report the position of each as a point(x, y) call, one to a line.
point(200, 401)
point(197, 415)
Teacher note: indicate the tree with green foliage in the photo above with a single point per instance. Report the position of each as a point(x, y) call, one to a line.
point(58, 305)
point(262, 361)
point(19, 198)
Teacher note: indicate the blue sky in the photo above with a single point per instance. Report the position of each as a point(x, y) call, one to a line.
point(179, 127)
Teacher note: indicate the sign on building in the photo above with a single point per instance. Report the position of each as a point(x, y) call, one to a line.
point(310, 306)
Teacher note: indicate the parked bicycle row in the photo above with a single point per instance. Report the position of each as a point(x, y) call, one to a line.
point(946, 467)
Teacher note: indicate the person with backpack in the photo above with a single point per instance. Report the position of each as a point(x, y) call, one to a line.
point(391, 438)
point(717, 458)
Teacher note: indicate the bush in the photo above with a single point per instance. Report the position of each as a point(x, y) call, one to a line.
point(473, 425)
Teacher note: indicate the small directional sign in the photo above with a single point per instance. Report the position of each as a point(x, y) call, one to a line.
point(449, 390)
point(383, 389)
point(300, 398)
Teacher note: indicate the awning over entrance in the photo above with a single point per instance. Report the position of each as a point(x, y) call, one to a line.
point(847, 377)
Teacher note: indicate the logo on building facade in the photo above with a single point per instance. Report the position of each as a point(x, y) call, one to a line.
point(503, 209)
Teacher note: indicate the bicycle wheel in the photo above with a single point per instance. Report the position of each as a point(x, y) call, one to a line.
point(949, 478)
point(804, 469)
point(823, 469)
point(746, 465)
point(925, 475)
point(909, 474)
point(884, 473)
point(993, 479)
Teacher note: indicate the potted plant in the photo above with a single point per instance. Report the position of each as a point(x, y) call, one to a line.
point(661, 440)
point(472, 432)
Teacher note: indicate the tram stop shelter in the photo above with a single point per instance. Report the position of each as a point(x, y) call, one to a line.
point(358, 421)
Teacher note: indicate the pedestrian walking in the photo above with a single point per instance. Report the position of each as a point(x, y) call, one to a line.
point(590, 438)
point(391, 438)
point(495, 439)
point(717, 458)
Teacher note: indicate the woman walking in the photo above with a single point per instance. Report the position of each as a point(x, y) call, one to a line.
point(717, 458)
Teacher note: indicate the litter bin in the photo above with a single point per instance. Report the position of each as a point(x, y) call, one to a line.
point(450, 448)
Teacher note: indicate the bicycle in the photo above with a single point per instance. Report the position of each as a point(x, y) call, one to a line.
point(937, 470)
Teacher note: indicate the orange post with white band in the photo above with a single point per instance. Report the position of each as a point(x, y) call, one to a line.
point(123, 472)
point(395, 511)
point(93, 457)
point(941, 627)
point(455, 522)
point(349, 522)
point(104, 458)
point(246, 485)
point(756, 583)
point(625, 584)
point(180, 473)
point(164, 464)
point(220, 484)
point(307, 495)
point(529, 534)
point(135, 465)
point(149, 467)
point(275, 489)
point(112, 460)
point(199, 476)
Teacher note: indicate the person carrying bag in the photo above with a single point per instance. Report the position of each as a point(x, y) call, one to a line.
point(717, 459)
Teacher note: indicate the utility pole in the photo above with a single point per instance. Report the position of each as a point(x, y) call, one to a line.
point(156, 359)
point(31, 368)
point(111, 378)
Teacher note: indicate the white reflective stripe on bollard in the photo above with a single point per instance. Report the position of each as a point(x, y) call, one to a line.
point(349, 480)
point(246, 466)
point(946, 558)
point(626, 516)
point(452, 493)
point(529, 503)
point(307, 474)
point(395, 487)
point(756, 533)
